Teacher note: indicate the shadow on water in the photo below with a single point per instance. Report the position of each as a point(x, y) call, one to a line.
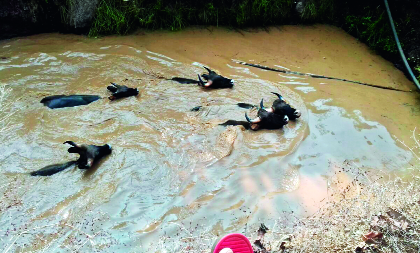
point(175, 173)
point(88, 173)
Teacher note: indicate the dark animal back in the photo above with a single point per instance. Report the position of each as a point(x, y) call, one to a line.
point(184, 80)
point(61, 101)
point(245, 124)
point(221, 82)
point(49, 98)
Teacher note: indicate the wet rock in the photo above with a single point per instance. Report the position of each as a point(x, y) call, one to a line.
point(81, 14)
point(225, 142)
point(300, 6)
point(25, 17)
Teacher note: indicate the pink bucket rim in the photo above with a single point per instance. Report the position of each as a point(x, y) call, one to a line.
point(219, 246)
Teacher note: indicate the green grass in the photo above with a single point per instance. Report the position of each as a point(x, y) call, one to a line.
point(373, 29)
point(319, 11)
point(114, 17)
point(121, 17)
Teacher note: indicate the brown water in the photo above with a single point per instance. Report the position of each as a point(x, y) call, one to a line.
point(175, 174)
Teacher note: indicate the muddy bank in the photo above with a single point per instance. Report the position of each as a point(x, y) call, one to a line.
point(366, 20)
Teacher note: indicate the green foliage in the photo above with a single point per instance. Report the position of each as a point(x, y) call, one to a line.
point(319, 11)
point(417, 69)
point(119, 16)
point(113, 17)
point(373, 29)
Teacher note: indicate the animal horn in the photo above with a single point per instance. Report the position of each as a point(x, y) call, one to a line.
point(247, 118)
point(262, 104)
point(257, 120)
point(278, 95)
point(71, 143)
point(207, 69)
point(200, 81)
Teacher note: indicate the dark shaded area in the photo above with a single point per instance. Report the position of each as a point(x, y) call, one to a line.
point(52, 169)
point(61, 101)
point(26, 17)
point(246, 105)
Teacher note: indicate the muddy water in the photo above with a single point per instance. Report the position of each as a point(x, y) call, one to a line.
point(174, 174)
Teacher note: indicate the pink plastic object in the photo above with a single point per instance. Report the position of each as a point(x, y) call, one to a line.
point(238, 243)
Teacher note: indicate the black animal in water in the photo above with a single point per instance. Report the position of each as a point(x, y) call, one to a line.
point(89, 154)
point(61, 101)
point(121, 91)
point(264, 120)
point(215, 80)
point(52, 169)
point(280, 107)
point(183, 80)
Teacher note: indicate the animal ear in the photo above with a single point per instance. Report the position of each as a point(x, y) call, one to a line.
point(205, 76)
point(112, 88)
point(74, 150)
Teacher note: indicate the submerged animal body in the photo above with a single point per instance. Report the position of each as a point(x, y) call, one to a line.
point(214, 80)
point(264, 120)
point(280, 107)
point(89, 154)
point(61, 101)
point(184, 80)
point(52, 169)
point(121, 91)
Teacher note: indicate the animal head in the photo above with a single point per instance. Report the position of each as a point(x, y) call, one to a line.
point(215, 80)
point(89, 154)
point(280, 106)
point(267, 119)
point(120, 91)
